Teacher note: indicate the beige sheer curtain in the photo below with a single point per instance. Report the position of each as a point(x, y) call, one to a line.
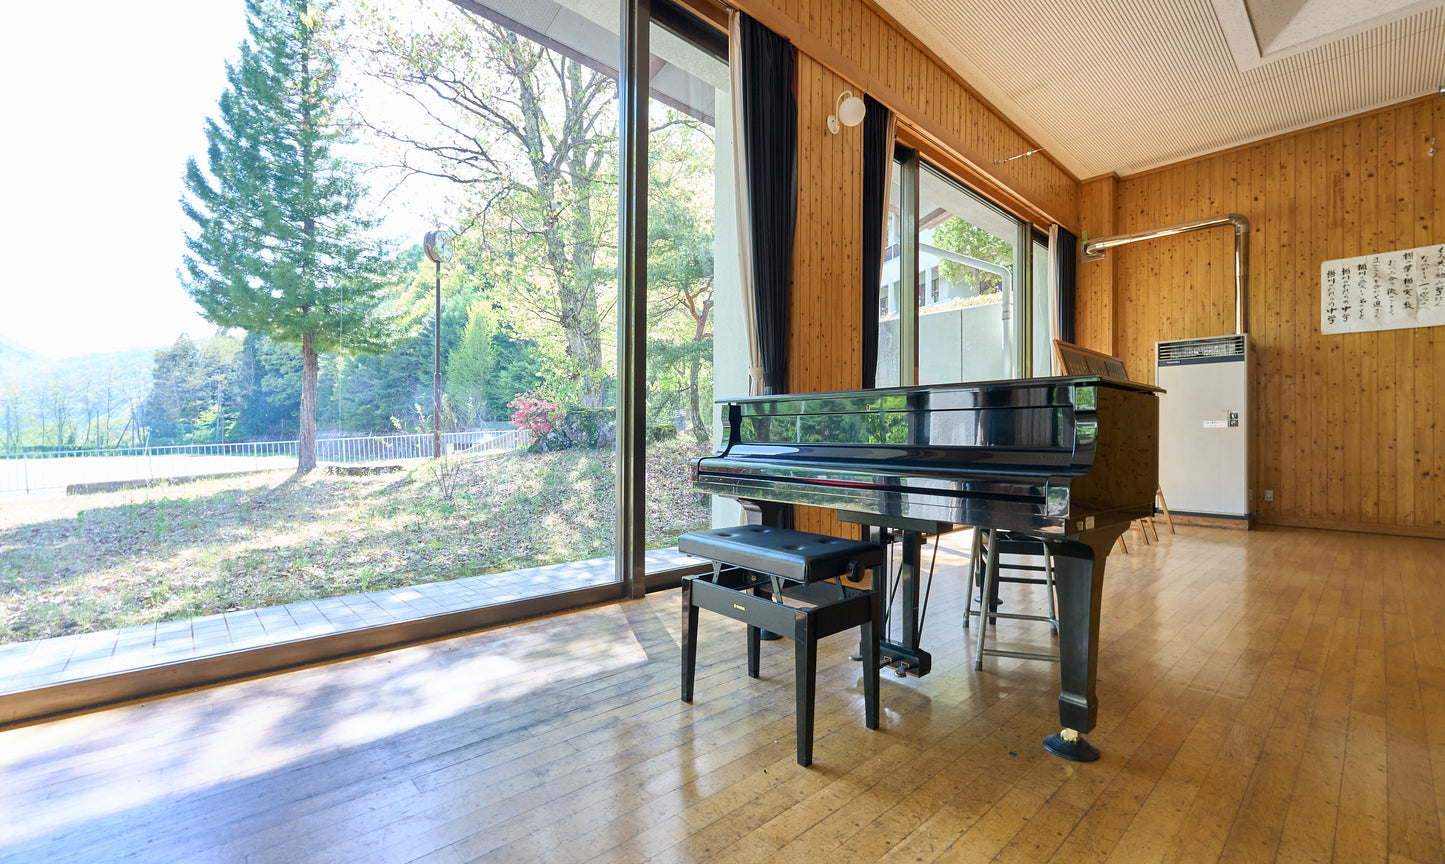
point(743, 210)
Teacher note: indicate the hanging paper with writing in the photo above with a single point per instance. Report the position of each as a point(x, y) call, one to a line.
point(1384, 291)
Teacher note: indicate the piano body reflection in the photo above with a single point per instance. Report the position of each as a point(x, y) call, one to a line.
point(1070, 461)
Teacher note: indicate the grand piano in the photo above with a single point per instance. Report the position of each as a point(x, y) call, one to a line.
point(1068, 460)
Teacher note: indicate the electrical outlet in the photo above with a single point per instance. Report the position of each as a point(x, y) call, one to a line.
point(1269, 494)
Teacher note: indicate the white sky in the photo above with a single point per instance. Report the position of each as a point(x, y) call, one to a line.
point(100, 105)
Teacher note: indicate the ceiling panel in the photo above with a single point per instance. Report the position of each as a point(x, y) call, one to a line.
point(1127, 85)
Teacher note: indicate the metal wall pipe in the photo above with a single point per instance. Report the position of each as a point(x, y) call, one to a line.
point(1094, 250)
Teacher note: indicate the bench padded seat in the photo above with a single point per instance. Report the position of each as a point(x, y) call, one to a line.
point(783, 552)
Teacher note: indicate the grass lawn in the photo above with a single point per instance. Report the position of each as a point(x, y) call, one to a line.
point(95, 562)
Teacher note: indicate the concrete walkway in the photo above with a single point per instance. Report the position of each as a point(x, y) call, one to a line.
point(83, 659)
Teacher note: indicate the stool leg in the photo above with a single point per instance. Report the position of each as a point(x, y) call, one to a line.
point(988, 586)
point(805, 684)
point(689, 641)
point(870, 659)
point(1049, 587)
point(975, 575)
point(755, 636)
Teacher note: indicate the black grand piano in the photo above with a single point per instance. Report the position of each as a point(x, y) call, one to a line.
point(1070, 461)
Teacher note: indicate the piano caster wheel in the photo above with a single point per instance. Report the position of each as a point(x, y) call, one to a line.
point(1070, 745)
point(855, 657)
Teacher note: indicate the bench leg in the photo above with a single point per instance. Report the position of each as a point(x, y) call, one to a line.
point(689, 641)
point(755, 636)
point(805, 684)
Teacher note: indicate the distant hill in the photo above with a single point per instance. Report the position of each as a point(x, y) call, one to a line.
point(23, 367)
point(13, 353)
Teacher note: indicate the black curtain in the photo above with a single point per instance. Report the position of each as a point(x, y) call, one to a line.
point(770, 124)
point(1066, 260)
point(877, 154)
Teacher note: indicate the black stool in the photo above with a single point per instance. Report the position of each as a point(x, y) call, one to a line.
point(751, 564)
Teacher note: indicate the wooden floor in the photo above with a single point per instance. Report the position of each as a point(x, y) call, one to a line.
point(1271, 695)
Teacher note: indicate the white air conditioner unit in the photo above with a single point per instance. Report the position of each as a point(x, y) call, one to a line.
point(1205, 467)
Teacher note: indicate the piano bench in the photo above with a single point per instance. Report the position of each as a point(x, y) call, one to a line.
point(793, 555)
point(750, 567)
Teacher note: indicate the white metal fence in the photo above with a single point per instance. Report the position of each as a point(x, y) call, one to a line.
point(54, 471)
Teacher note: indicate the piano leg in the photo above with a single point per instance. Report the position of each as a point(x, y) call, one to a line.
point(1079, 580)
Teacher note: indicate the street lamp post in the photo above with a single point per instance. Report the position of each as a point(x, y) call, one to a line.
point(435, 245)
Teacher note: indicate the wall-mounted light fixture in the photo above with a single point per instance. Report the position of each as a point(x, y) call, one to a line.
point(847, 111)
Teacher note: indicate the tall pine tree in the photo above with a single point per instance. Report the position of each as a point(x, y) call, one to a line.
point(281, 245)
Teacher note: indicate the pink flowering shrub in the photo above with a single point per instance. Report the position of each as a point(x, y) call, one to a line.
point(536, 414)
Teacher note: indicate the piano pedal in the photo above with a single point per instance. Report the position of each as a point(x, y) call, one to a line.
point(902, 670)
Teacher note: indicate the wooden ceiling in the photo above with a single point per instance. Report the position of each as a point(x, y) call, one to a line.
point(1123, 86)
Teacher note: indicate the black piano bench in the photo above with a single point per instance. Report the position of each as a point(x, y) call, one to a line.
point(776, 579)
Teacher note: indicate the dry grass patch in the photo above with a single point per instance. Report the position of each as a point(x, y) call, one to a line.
point(95, 562)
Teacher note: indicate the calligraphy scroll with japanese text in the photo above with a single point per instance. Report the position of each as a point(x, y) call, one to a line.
point(1384, 291)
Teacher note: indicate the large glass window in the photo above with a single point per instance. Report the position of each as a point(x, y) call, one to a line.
point(692, 266)
point(962, 295)
point(968, 287)
point(461, 408)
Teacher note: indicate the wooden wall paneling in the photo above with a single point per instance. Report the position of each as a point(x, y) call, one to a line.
point(1348, 431)
point(1406, 448)
point(1342, 148)
point(1094, 299)
point(1328, 388)
point(1273, 345)
point(1422, 192)
point(915, 85)
point(1436, 234)
point(1355, 207)
point(1170, 304)
point(1274, 382)
point(1305, 438)
point(1267, 186)
point(1384, 341)
point(825, 306)
point(1193, 250)
point(1311, 413)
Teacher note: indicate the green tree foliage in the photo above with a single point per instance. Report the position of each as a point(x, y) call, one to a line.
point(470, 367)
point(679, 272)
point(281, 247)
point(526, 139)
point(961, 236)
point(198, 392)
point(177, 393)
point(271, 372)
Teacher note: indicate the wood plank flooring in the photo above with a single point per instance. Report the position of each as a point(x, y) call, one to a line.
point(1268, 695)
